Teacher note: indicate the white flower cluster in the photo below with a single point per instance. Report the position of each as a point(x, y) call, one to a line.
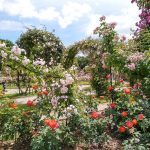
point(17, 51)
point(55, 85)
point(45, 70)
point(3, 54)
point(64, 97)
point(25, 61)
point(13, 57)
point(74, 67)
point(70, 110)
point(2, 45)
point(39, 61)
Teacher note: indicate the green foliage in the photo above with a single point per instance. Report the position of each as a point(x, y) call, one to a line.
point(82, 62)
point(7, 42)
point(143, 40)
point(99, 82)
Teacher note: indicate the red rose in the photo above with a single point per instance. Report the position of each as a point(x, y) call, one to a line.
point(129, 124)
point(30, 103)
point(121, 81)
point(45, 92)
point(122, 129)
point(53, 124)
point(35, 87)
point(127, 91)
point(124, 114)
point(134, 121)
point(113, 105)
point(141, 116)
point(110, 88)
point(94, 115)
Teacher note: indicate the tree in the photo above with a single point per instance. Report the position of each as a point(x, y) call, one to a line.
point(41, 44)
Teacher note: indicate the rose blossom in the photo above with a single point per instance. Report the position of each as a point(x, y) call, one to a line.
point(64, 90)
point(131, 66)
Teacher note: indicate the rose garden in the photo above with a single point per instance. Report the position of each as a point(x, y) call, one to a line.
point(97, 101)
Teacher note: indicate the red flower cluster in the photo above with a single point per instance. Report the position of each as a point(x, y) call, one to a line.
point(127, 91)
point(113, 105)
point(45, 92)
point(94, 115)
point(122, 129)
point(124, 114)
point(121, 81)
point(13, 105)
point(134, 121)
point(53, 124)
point(35, 87)
point(30, 103)
point(110, 88)
point(141, 116)
point(129, 124)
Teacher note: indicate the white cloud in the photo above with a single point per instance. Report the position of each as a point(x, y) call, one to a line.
point(67, 12)
point(22, 8)
point(71, 12)
point(7, 25)
point(47, 14)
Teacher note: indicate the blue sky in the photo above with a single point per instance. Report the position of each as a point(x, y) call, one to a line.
point(72, 20)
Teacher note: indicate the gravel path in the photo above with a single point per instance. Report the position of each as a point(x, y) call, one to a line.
point(24, 99)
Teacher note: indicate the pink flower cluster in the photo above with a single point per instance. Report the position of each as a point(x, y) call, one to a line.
point(105, 28)
point(131, 66)
point(83, 76)
point(102, 18)
point(66, 82)
point(17, 51)
point(39, 62)
point(136, 57)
